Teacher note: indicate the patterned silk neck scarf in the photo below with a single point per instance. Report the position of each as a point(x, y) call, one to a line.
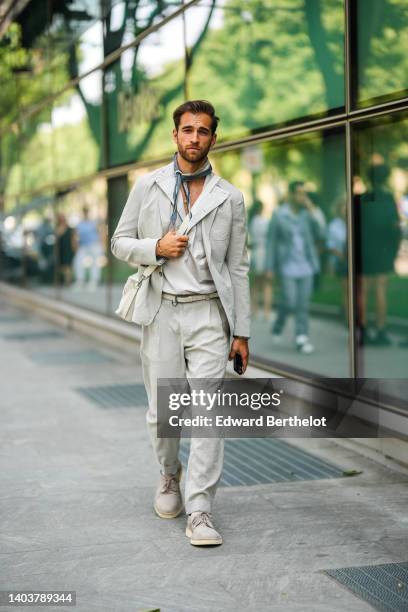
point(182, 179)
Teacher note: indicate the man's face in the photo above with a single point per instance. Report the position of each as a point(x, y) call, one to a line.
point(194, 137)
point(299, 196)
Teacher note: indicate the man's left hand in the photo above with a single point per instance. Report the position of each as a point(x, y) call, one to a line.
point(240, 345)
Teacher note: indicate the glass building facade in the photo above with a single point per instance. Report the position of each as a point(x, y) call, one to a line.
point(307, 90)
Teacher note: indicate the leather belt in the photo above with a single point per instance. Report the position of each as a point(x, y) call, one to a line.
point(197, 297)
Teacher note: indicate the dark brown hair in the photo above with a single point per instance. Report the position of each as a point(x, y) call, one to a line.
point(293, 185)
point(196, 106)
point(378, 174)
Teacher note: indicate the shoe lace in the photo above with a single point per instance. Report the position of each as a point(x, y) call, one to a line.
point(204, 518)
point(169, 484)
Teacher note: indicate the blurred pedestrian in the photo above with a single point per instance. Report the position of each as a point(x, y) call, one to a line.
point(292, 257)
point(379, 233)
point(89, 252)
point(66, 244)
point(45, 238)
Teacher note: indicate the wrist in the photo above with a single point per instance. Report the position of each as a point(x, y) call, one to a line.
point(158, 249)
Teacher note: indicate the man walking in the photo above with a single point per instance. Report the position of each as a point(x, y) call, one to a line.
point(196, 299)
point(292, 256)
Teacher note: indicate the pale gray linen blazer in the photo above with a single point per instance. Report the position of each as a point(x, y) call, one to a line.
point(145, 219)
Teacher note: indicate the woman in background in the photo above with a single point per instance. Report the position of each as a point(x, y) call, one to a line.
point(65, 249)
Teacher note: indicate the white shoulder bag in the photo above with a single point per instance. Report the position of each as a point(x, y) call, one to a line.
point(126, 306)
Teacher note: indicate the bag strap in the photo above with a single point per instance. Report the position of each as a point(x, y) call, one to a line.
point(180, 231)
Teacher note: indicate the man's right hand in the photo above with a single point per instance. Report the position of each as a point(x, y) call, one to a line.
point(171, 245)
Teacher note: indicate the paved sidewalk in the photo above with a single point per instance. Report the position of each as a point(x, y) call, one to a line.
point(77, 483)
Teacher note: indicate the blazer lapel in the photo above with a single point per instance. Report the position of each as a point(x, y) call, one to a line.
point(212, 196)
point(165, 181)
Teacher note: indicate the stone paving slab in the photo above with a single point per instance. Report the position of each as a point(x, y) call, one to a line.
point(76, 492)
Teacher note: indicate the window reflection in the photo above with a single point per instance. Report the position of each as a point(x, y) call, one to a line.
point(66, 246)
point(89, 49)
point(40, 238)
point(10, 168)
point(125, 21)
point(382, 246)
point(265, 63)
point(24, 70)
point(38, 170)
point(76, 122)
point(381, 43)
point(73, 53)
point(57, 243)
point(56, 39)
point(81, 245)
point(142, 89)
point(27, 244)
point(12, 250)
point(262, 64)
point(298, 249)
point(68, 23)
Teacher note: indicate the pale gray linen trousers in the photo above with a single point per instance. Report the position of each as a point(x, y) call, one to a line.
point(190, 341)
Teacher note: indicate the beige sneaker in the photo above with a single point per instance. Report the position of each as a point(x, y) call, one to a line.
point(168, 502)
point(201, 531)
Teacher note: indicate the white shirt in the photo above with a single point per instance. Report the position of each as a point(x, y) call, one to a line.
point(189, 273)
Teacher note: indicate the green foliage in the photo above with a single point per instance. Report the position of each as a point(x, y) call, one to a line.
point(13, 58)
point(261, 63)
point(382, 56)
point(27, 76)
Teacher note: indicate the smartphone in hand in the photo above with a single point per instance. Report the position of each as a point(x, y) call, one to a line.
point(238, 365)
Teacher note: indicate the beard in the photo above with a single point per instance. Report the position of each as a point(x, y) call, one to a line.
point(193, 156)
